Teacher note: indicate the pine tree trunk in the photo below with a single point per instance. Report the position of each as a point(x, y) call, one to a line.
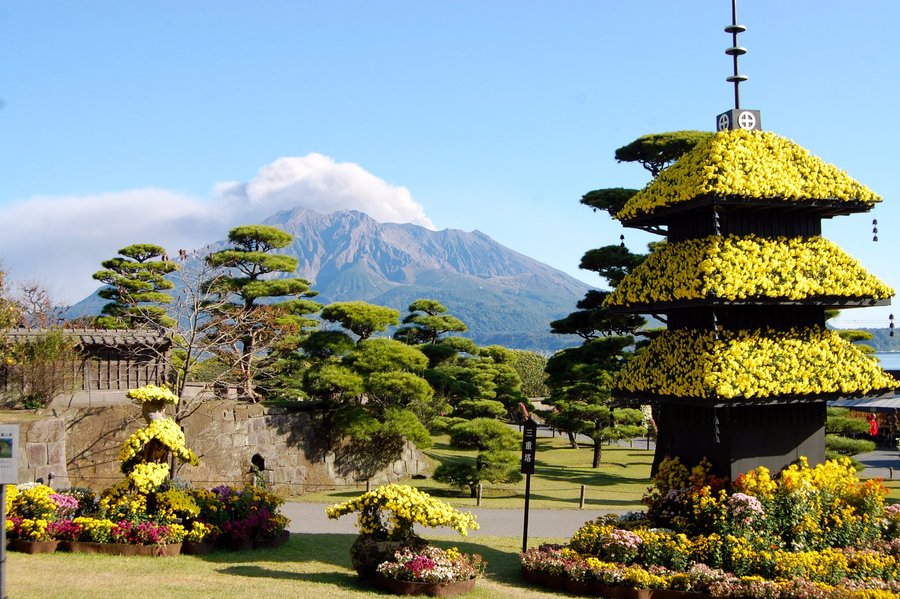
point(598, 451)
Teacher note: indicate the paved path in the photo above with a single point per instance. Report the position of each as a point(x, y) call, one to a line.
point(310, 517)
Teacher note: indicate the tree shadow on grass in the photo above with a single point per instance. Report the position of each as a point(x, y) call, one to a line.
point(334, 550)
point(597, 478)
point(344, 580)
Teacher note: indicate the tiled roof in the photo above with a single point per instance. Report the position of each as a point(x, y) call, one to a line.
point(95, 337)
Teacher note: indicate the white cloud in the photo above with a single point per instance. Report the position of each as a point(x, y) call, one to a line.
point(61, 241)
point(321, 184)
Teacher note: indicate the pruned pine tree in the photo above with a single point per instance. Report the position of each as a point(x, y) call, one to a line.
point(136, 285)
point(252, 319)
point(426, 322)
point(370, 388)
point(578, 378)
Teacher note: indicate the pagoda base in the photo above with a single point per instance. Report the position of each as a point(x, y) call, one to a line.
point(736, 439)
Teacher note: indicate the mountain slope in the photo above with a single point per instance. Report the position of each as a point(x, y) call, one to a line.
point(504, 297)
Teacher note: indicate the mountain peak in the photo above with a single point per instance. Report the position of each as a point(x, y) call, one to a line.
point(504, 297)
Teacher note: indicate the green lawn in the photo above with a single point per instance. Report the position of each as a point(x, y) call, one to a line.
point(619, 482)
point(313, 566)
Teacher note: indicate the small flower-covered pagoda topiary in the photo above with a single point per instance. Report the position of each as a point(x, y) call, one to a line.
point(743, 373)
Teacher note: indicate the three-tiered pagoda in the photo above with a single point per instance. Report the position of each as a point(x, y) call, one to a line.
point(744, 370)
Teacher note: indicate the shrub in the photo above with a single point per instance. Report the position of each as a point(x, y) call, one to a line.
point(480, 408)
point(847, 446)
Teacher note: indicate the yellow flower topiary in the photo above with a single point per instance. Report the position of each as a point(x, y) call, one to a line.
point(152, 393)
point(404, 506)
point(747, 165)
point(747, 268)
point(751, 364)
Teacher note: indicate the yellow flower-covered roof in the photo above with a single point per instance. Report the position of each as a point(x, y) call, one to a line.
point(757, 364)
point(747, 165)
point(747, 268)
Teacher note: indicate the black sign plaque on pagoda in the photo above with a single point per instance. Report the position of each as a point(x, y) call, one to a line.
point(744, 370)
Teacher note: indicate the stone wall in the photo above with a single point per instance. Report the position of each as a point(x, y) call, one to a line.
point(42, 447)
point(228, 436)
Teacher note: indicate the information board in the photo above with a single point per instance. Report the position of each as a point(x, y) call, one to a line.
point(9, 454)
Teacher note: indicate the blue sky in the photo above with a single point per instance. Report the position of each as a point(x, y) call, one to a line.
point(170, 122)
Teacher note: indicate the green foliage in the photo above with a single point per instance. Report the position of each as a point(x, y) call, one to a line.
point(658, 150)
point(40, 368)
point(480, 408)
point(427, 321)
point(612, 262)
point(398, 388)
point(333, 382)
point(135, 283)
point(361, 318)
point(377, 355)
point(389, 428)
point(322, 345)
point(491, 465)
point(483, 434)
point(441, 424)
point(405, 424)
point(845, 425)
point(592, 320)
point(530, 368)
point(610, 200)
point(256, 339)
point(848, 447)
point(9, 309)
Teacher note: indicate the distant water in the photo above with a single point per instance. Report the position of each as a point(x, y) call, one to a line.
point(889, 360)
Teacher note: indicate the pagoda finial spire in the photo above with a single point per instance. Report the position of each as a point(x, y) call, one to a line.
point(735, 51)
point(737, 118)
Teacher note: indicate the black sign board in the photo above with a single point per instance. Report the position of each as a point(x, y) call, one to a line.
point(529, 446)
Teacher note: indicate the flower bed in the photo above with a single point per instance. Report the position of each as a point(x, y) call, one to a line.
point(146, 509)
point(809, 532)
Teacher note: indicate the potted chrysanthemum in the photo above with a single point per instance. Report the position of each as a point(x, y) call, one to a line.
point(430, 571)
point(153, 400)
point(385, 518)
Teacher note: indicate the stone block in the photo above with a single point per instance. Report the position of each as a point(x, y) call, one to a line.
point(241, 413)
point(36, 454)
point(47, 430)
point(56, 453)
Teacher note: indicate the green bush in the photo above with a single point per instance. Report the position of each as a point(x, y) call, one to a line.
point(442, 424)
point(480, 408)
point(483, 433)
point(845, 425)
point(846, 446)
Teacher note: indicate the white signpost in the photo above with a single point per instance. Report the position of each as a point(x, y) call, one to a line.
point(9, 475)
point(9, 454)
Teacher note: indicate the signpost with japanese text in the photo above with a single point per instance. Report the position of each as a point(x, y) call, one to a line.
point(529, 447)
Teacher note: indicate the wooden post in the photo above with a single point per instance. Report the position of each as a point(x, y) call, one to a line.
point(368, 485)
point(478, 496)
point(581, 503)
